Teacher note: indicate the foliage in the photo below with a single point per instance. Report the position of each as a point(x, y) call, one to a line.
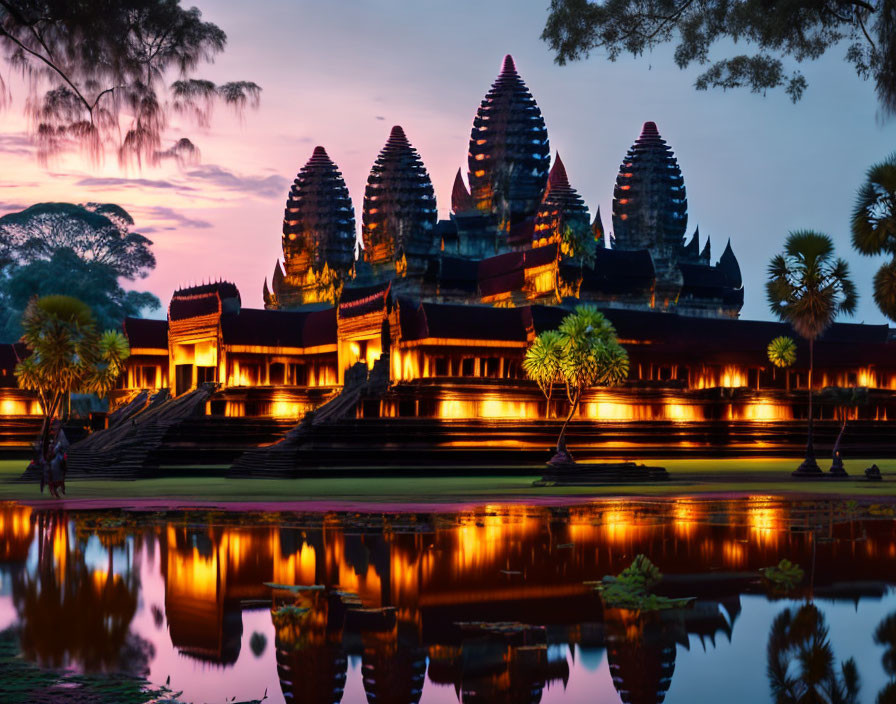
point(801, 30)
point(800, 661)
point(807, 287)
point(783, 577)
point(77, 250)
point(542, 362)
point(288, 615)
point(93, 65)
point(782, 351)
point(67, 354)
point(95, 232)
point(631, 589)
point(577, 242)
point(874, 229)
point(586, 353)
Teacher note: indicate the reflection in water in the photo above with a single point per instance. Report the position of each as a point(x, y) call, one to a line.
point(801, 661)
point(490, 604)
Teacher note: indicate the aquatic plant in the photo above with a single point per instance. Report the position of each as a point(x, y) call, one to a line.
point(631, 589)
point(783, 577)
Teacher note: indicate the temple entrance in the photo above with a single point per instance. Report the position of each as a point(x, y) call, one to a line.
point(183, 378)
point(204, 374)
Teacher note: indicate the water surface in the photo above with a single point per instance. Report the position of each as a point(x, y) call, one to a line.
point(488, 605)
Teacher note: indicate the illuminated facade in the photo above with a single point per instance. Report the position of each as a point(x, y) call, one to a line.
point(433, 318)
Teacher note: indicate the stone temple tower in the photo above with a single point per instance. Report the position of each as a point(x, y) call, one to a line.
point(318, 238)
point(650, 210)
point(399, 215)
point(509, 157)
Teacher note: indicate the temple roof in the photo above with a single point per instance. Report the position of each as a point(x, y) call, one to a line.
point(278, 328)
point(399, 203)
point(319, 220)
point(146, 333)
point(466, 322)
point(509, 140)
point(193, 307)
point(650, 206)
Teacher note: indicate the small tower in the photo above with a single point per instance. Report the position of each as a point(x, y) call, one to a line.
point(560, 208)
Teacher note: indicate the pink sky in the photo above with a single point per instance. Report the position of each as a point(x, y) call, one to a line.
point(341, 74)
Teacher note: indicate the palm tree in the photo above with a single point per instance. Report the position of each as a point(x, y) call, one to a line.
point(782, 353)
point(66, 355)
point(874, 229)
point(800, 661)
point(807, 287)
point(590, 356)
point(542, 364)
point(885, 635)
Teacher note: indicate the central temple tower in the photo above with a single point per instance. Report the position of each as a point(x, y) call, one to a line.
point(509, 157)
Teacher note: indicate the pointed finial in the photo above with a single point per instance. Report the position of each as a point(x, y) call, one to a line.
point(557, 177)
point(706, 254)
point(319, 151)
point(397, 134)
point(461, 201)
point(508, 66)
point(649, 130)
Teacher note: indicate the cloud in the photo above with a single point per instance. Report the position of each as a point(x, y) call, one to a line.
point(16, 143)
point(11, 208)
point(264, 186)
point(114, 181)
point(380, 117)
point(166, 219)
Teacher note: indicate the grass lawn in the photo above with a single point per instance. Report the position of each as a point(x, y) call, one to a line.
point(688, 477)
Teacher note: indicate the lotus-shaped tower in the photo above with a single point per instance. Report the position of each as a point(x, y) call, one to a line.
point(399, 215)
point(509, 155)
point(650, 206)
point(318, 237)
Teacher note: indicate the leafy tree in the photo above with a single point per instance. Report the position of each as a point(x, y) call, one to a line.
point(808, 288)
point(874, 229)
point(590, 355)
point(79, 250)
point(782, 353)
point(66, 355)
point(542, 364)
point(93, 66)
point(800, 30)
point(65, 273)
point(96, 232)
point(800, 661)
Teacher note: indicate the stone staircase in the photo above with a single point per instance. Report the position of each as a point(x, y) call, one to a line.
point(123, 450)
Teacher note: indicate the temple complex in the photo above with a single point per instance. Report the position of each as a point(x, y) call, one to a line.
point(422, 319)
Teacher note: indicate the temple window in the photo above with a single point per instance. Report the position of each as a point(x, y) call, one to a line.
point(491, 366)
point(468, 367)
point(441, 367)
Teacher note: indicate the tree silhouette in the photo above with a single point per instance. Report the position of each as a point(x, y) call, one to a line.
point(92, 66)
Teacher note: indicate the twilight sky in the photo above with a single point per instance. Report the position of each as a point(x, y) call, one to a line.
point(342, 73)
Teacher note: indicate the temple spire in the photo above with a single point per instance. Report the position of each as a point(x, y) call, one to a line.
point(730, 268)
point(597, 227)
point(461, 201)
point(706, 253)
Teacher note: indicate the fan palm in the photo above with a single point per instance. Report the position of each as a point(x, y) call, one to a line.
point(66, 355)
point(874, 229)
point(782, 353)
point(807, 287)
point(542, 364)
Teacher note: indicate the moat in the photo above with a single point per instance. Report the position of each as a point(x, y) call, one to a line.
point(486, 605)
